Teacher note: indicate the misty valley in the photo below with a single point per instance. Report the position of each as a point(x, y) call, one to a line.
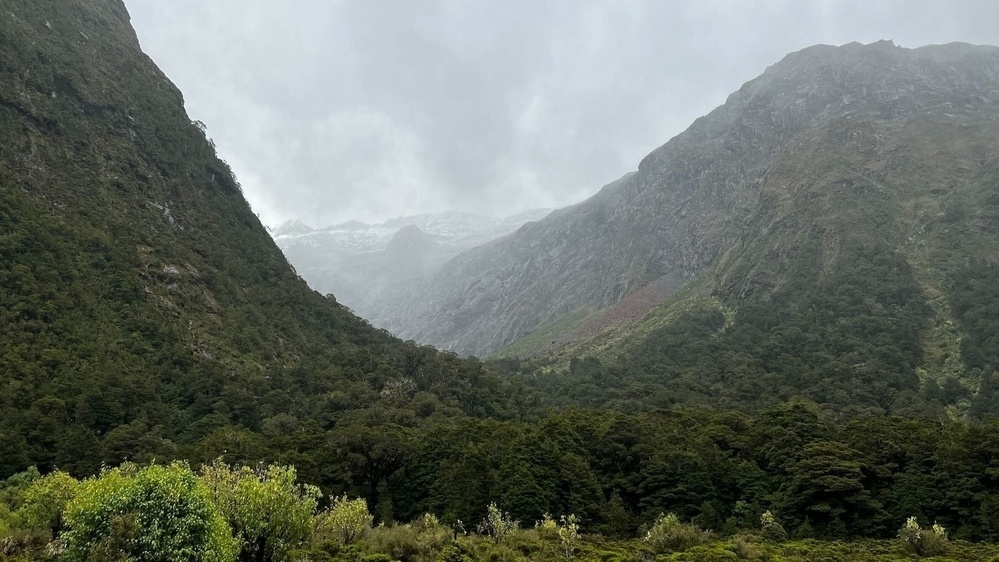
point(775, 339)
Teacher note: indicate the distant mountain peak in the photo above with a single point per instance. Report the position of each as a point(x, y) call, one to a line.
point(409, 239)
point(349, 225)
point(292, 227)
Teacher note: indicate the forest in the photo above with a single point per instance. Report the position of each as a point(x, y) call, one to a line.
point(790, 483)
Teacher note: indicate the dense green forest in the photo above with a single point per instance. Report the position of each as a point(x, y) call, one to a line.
point(720, 475)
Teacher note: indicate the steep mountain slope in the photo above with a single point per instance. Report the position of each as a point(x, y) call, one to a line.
point(825, 150)
point(144, 307)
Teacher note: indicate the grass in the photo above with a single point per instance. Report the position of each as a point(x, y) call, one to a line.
point(547, 335)
point(605, 345)
point(389, 543)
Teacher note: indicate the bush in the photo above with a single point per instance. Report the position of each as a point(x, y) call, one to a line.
point(547, 528)
point(669, 534)
point(923, 542)
point(424, 540)
point(497, 524)
point(270, 514)
point(771, 529)
point(152, 513)
point(23, 542)
point(565, 531)
point(744, 549)
point(44, 502)
point(344, 521)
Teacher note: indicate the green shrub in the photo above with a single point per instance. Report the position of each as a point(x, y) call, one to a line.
point(497, 524)
point(669, 534)
point(547, 528)
point(44, 501)
point(771, 529)
point(270, 514)
point(491, 551)
point(150, 513)
point(344, 521)
point(23, 542)
point(923, 542)
point(564, 532)
point(424, 540)
point(744, 549)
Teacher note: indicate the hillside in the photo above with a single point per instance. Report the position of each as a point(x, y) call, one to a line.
point(861, 275)
point(826, 140)
point(822, 234)
point(146, 312)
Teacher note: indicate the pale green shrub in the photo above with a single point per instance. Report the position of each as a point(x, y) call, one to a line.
point(668, 534)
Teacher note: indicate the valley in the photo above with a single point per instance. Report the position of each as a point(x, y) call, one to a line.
point(775, 340)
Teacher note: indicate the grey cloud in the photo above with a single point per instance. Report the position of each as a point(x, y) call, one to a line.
point(367, 109)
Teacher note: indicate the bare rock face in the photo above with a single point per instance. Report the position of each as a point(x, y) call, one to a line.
point(703, 195)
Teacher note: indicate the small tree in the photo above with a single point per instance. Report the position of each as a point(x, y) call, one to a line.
point(497, 524)
point(568, 534)
point(771, 528)
point(344, 521)
point(910, 534)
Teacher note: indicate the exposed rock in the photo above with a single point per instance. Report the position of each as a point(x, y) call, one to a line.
point(705, 191)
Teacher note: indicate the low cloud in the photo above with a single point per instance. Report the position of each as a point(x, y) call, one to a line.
point(330, 111)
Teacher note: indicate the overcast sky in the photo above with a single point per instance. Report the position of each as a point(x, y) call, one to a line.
point(333, 110)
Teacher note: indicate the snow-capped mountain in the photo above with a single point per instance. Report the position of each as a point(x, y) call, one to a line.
point(458, 230)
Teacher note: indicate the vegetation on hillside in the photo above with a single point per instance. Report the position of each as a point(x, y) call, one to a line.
point(850, 340)
point(146, 312)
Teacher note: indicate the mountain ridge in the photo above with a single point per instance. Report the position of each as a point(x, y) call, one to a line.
point(146, 311)
point(691, 199)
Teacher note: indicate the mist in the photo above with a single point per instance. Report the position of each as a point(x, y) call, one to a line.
point(337, 111)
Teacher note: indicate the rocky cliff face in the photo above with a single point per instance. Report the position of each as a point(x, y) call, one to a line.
point(718, 189)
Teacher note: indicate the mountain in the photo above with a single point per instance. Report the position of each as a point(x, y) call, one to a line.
point(829, 233)
point(829, 150)
point(146, 312)
point(372, 267)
